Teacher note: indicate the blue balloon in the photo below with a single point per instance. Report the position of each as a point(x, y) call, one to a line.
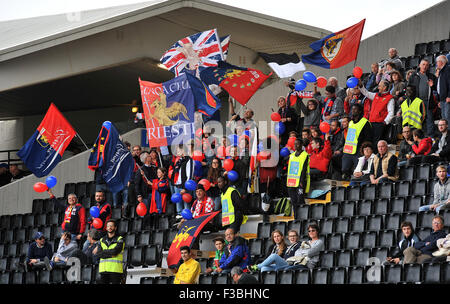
point(280, 128)
point(352, 82)
point(233, 175)
point(176, 198)
point(51, 181)
point(247, 132)
point(233, 139)
point(284, 152)
point(190, 185)
point(260, 146)
point(300, 85)
point(95, 212)
point(309, 76)
point(107, 124)
point(186, 214)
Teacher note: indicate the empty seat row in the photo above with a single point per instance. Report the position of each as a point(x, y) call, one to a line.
point(432, 47)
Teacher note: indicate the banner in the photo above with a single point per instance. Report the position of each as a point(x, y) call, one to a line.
point(112, 158)
point(43, 151)
point(187, 235)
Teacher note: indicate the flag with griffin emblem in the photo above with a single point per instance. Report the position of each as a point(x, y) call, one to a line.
point(43, 151)
point(194, 52)
point(336, 49)
point(241, 83)
point(187, 235)
point(112, 158)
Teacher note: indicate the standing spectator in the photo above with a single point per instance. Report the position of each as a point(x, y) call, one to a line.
point(405, 146)
point(132, 196)
point(320, 157)
point(397, 88)
point(237, 253)
point(16, 173)
point(412, 109)
point(332, 106)
point(298, 179)
point(422, 251)
point(232, 205)
point(105, 210)
point(384, 165)
point(160, 192)
point(5, 176)
point(240, 277)
point(409, 239)
point(288, 118)
point(359, 131)
point(340, 92)
point(295, 102)
point(441, 148)
point(337, 141)
point(74, 216)
point(110, 253)
point(385, 73)
point(441, 192)
point(425, 84)
point(214, 171)
point(306, 136)
point(421, 147)
point(355, 97)
point(182, 170)
point(443, 85)
point(370, 82)
point(382, 109)
point(219, 243)
point(39, 253)
point(241, 167)
point(189, 270)
point(361, 175)
point(66, 248)
point(312, 113)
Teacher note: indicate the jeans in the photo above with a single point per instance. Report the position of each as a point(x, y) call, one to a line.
point(430, 128)
point(427, 208)
point(402, 163)
point(120, 197)
point(445, 108)
point(349, 163)
point(273, 262)
point(217, 203)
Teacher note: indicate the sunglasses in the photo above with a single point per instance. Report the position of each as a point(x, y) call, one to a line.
point(312, 230)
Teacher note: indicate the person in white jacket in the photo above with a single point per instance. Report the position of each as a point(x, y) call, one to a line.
point(361, 174)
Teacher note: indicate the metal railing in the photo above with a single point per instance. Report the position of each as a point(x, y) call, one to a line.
point(9, 160)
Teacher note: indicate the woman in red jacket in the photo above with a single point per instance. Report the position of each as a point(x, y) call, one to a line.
point(320, 157)
point(421, 147)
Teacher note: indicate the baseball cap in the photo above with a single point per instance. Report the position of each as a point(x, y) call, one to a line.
point(38, 235)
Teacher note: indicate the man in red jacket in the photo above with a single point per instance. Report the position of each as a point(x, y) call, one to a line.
point(320, 157)
point(74, 216)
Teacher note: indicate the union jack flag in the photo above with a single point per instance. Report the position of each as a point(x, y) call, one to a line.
point(225, 44)
point(193, 53)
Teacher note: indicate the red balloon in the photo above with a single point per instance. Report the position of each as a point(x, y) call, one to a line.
point(263, 155)
point(221, 152)
point(40, 187)
point(291, 142)
point(324, 127)
point(198, 155)
point(187, 198)
point(321, 82)
point(141, 209)
point(357, 72)
point(97, 223)
point(206, 183)
point(275, 116)
point(228, 164)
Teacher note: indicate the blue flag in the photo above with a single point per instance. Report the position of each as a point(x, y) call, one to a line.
point(112, 158)
point(205, 101)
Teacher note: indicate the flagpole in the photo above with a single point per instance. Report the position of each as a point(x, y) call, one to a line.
point(78, 135)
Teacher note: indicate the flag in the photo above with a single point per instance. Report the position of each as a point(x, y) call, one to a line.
point(284, 65)
point(187, 235)
point(253, 184)
point(241, 83)
point(205, 101)
point(43, 151)
point(336, 49)
point(194, 52)
point(168, 110)
point(112, 158)
point(225, 44)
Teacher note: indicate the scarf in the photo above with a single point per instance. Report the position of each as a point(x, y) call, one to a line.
point(328, 106)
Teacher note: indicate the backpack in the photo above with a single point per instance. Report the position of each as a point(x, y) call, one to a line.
point(283, 206)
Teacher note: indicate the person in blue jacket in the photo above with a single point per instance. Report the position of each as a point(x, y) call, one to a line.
point(422, 251)
point(39, 253)
point(237, 253)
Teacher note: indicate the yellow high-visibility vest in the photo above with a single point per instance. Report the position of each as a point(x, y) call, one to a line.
point(351, 141)
point(295, 169)
point(114, 264)
point(411, 114)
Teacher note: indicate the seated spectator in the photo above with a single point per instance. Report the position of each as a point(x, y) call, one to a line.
point(203, 204)
point(278, 245)
point(361, 175)
point(443, 252)
point(189, 271)
point(312, 113)
point(345, 121)
point(409, 239)
point(219, 242)
point(385, 72)
point(39, 253)
point(370, 82)
point(441, 192)
point(393, 58)
point(66, 248)
point(320, 157)
point(384, 168)
point(421, 147)
point(240, 277)
point(5, 176)
point(422, 251)
point(405, 147)
point(332, 106)
point(440, 151)
point(16, 173)
point(88, 255)
point(237, 253)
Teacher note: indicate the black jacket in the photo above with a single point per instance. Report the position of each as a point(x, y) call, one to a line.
point(337, 141)
point(444, 83)
point(415, 80)
point(431, 239)
point(405, 148)
point(445, 153)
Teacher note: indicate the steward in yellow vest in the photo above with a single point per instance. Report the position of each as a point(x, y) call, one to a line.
point(298, 180)
point(412, 109)
point(232, 205)
point(110, 253)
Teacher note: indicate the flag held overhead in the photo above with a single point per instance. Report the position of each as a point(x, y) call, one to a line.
point(284, 65)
